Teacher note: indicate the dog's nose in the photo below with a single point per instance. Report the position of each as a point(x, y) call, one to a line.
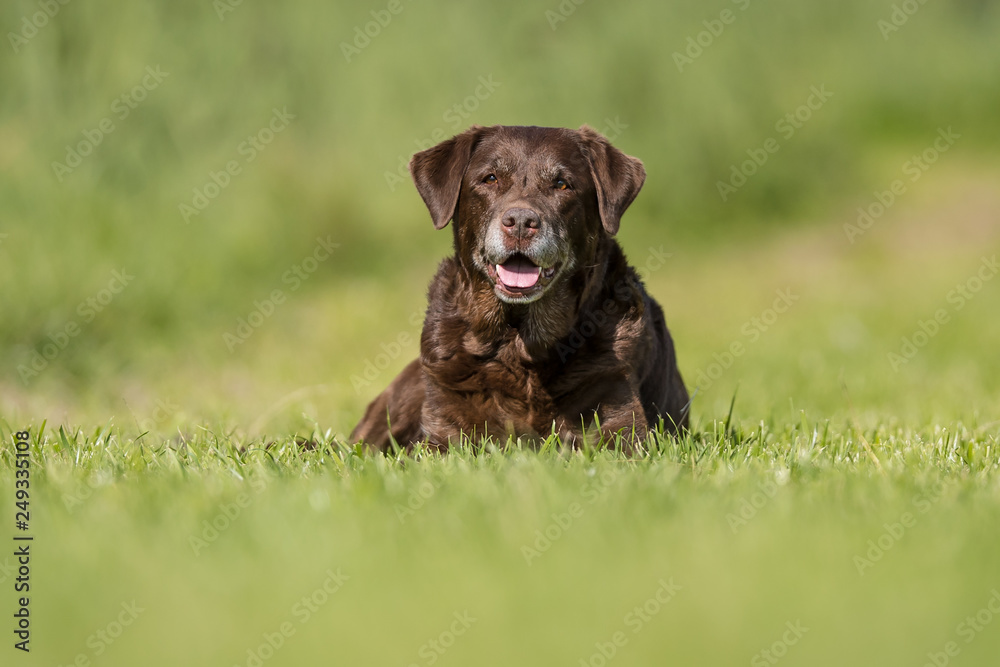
point(518, 221)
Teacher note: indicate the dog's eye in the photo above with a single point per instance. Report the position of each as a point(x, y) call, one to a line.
point(561, 184)
point(490, 180)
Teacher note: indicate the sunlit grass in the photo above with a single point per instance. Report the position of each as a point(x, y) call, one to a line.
point(217, 537)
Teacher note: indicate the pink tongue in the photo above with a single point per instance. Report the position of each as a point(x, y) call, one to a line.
point(518, 272)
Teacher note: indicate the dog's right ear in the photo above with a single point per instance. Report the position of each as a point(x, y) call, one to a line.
point(438, 172)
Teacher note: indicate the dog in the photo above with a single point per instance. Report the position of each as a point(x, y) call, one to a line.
point(537, 325)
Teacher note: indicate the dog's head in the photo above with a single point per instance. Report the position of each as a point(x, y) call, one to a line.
point(530, 204)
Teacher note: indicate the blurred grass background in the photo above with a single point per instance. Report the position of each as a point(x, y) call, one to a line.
point(155, 358)
point(325, 176)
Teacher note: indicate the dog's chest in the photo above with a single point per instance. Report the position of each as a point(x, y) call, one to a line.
point(503, 387)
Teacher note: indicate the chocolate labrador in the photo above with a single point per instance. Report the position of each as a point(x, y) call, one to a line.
point(538, 324)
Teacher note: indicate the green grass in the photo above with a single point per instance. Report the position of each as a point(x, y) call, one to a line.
point(148, 425)
point(758, 526)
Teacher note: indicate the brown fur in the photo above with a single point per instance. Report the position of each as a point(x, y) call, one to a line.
point(592, 349)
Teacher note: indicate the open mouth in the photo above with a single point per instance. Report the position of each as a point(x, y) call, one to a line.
point(520, 279)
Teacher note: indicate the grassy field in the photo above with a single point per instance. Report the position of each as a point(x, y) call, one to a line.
point(210, 262)
point(877, 553)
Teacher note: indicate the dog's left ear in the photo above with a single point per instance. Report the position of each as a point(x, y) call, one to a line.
point(617, 177)
point(438, 172)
